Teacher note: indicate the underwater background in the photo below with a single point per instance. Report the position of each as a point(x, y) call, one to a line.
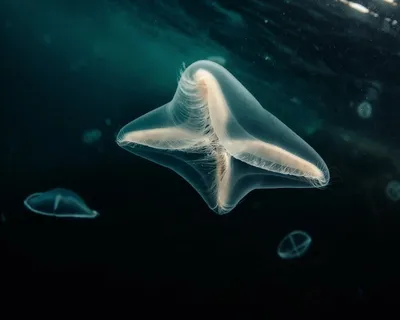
point(74, 72)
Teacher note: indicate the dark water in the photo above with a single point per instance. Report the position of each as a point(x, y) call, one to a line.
point(67, 67)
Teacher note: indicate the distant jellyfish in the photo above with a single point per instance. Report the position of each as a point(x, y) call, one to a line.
point(217, 59)
point(296, 100)
point(294, 245)
point(364, 110)
point(108, 122)
point(313, 127)
point(217, 136)
point(373, 90)
point(392, 190)
point(91, 136)
point(59, 202)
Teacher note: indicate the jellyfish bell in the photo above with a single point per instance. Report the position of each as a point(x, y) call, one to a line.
point(392, 190)
point(59, 202)
point(219, 138)
point(294, 245)
point(364, 110)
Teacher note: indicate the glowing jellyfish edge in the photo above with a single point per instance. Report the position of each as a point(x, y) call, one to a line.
point(56, 198)
point(296, 250)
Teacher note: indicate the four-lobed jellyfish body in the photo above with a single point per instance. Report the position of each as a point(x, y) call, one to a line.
point(218, 137)
point(59, 202)
point(294, 245)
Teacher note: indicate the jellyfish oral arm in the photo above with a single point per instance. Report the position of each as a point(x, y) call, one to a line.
point(273, 158)
point(173, 138)
point(57, 200)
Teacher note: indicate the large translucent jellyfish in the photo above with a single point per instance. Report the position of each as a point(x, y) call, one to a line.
point(59, 202)
point(218, 137)
point(294, 245)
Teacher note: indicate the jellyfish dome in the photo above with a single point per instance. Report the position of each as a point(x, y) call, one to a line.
point(218, 137)
point(364, 110)
point(59, 202)
point(294, 245)
point(392, 190)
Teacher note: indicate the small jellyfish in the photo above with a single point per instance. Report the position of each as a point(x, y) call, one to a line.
point(59, 202)
point(218, 137)
point(392, 190)
point(364, 110)
point(108, 122)
point(373, 90)
point(296, 100)
point(91, 136)
point(294, 245)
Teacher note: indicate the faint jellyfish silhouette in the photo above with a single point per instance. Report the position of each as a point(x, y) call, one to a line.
point(216, 135)
point(59, 202)
point(392, 190)
point(91, 136)
point(218, 59)
point(296, 100)
point(373, 90)
point(364, 110)
point(294, 245)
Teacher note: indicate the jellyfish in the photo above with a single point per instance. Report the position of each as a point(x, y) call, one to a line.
point(392, 190)
point(364, 110)
point(91, 136)
point(294, 245)
point(47, 39)
point(218, 137)
point(59, 202)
